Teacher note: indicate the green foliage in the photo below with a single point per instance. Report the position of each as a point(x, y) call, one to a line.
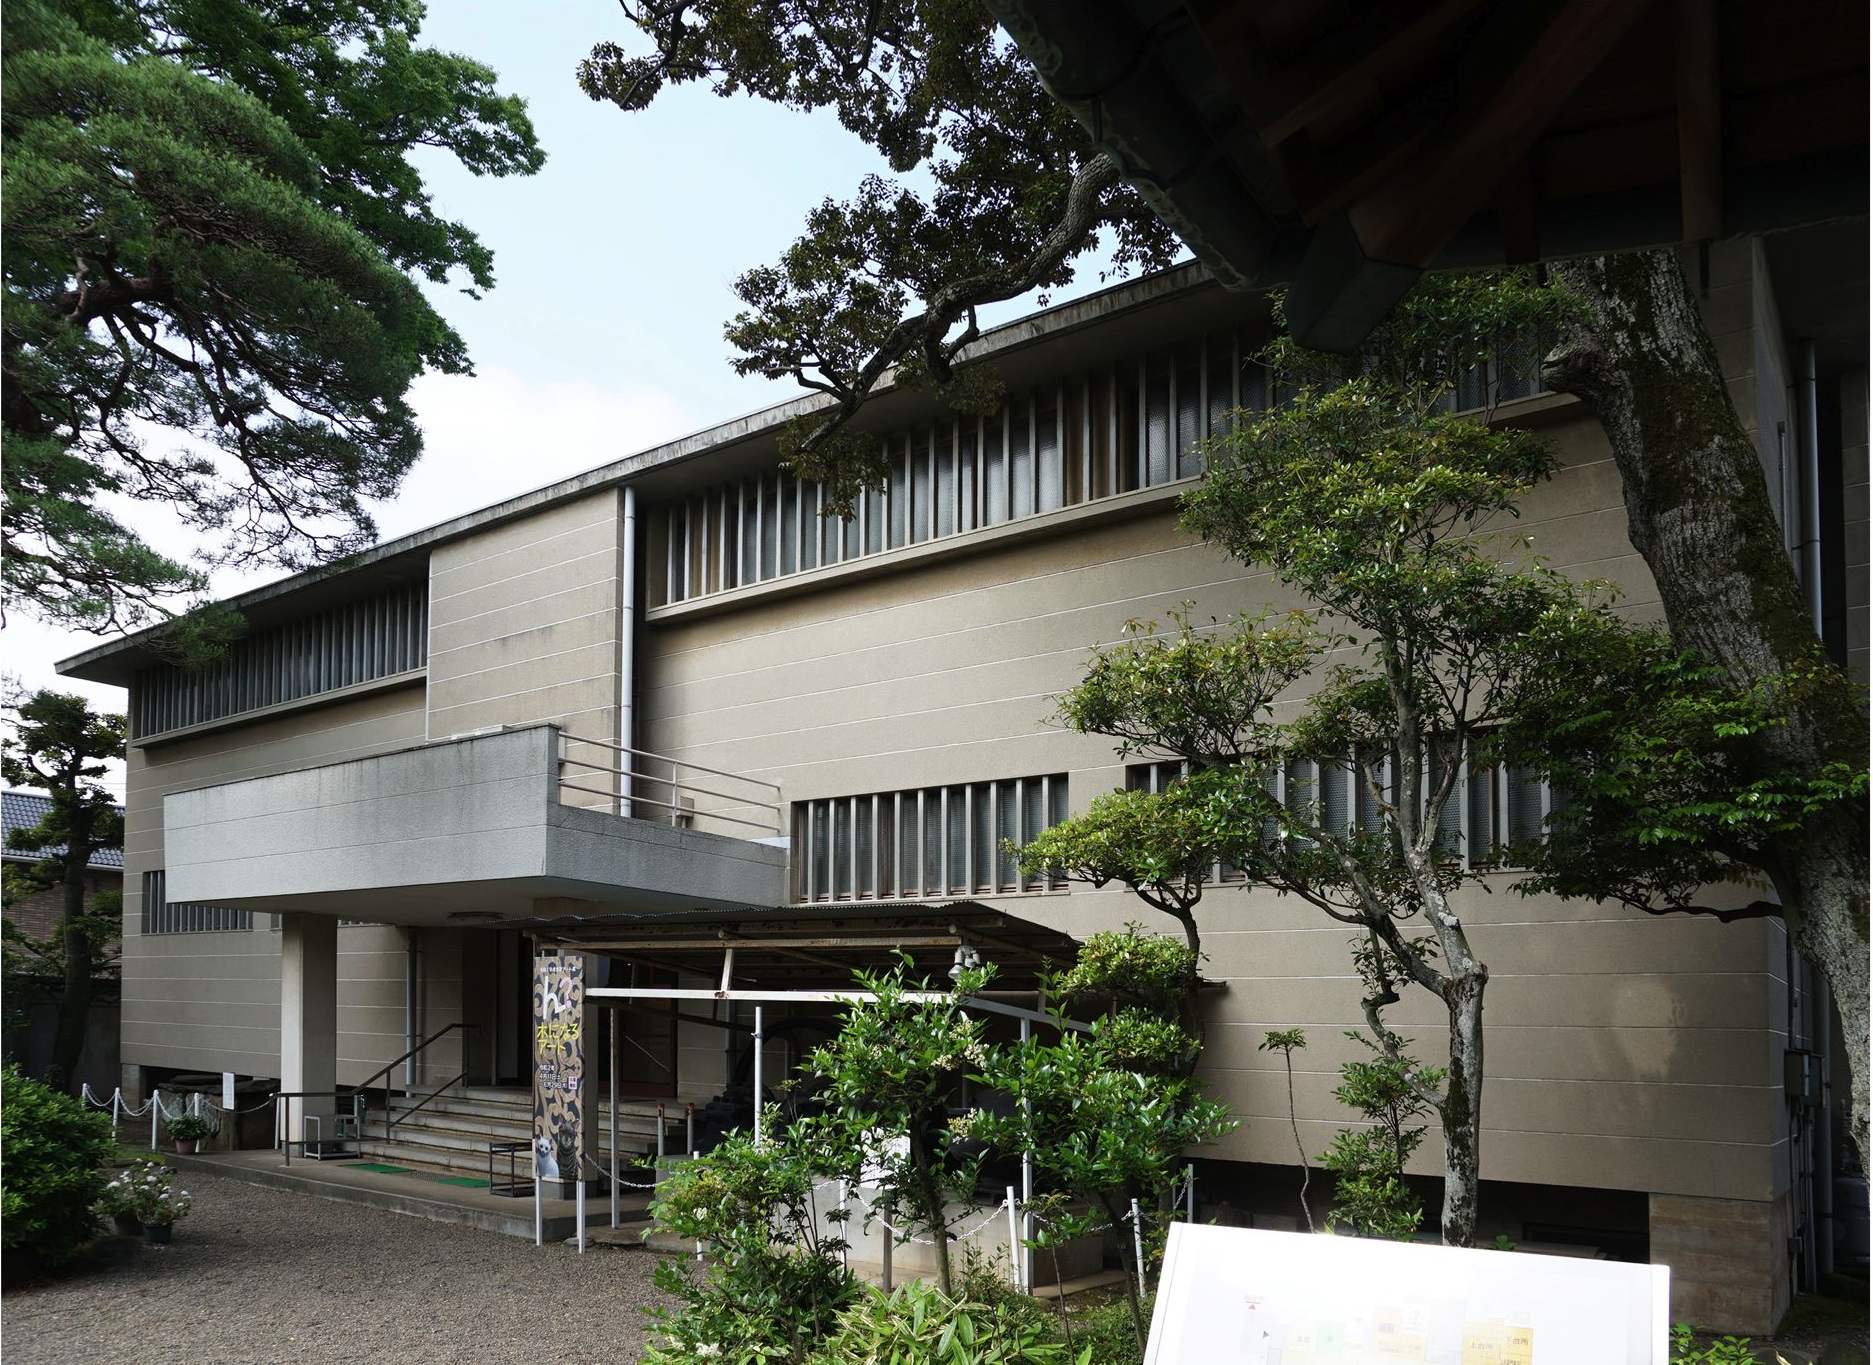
point(60, 746)
point(188, 1127)
point(888, 280)
point(886, 1082)
point(1368, 1164)
point(1149, 971)
point(1098, 1128)
point(919, 1323)
point(1721, 1351)
point(211, 223)
point(1107, 1336)
point(146, 1191)
point(50, 1179)
point(773, 1285)
point(1656, 753)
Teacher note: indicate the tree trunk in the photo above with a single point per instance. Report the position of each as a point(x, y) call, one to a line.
point(74, 1013)
point(1462, 1109)
point(1698, 511)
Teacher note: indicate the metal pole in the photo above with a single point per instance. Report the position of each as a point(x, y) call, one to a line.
point(1027, 1185)
point(759, 1041)
point(539, 1212)
point(1014, 1239)
point(689, 1127)
point(117, 1110)
point(614, 1118)
point(578, 1207)
point(1190, 1193)
point(660, 1133)
point(627, 647)
point(1138, 1246)
point(156, 1113)
point(886, 1231)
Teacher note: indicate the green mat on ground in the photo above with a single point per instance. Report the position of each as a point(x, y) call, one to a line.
point(380, 1168)
point(467, 1181)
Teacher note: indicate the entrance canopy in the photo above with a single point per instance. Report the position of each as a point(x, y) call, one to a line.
point(819, 947)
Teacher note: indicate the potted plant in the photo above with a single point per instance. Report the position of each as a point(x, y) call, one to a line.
point(119, 1204)
point(153, 1198)
point(187, 1130)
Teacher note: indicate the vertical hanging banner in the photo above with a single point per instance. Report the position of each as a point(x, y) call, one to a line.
point(558, 1066)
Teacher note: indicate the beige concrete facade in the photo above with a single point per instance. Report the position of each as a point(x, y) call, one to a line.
point(1625, 1052)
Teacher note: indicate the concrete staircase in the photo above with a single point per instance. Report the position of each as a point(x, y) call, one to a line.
point(452, 1132)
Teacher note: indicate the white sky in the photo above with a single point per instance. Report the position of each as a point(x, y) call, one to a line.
point(614, 269)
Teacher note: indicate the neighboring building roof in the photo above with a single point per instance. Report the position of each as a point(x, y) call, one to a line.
point(1342, 149)
point(23, 810)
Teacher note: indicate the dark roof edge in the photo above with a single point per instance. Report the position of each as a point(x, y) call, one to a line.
point(1010, 336)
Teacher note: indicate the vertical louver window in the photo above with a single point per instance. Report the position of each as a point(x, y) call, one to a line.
point(163, 916)
point(933, 841)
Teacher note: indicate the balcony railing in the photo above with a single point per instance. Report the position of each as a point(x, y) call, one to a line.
point(642, 785)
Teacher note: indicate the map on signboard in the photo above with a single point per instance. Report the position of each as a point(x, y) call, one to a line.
point(1236, 1296)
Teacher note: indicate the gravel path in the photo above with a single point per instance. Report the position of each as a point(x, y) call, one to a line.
point(261, 1274)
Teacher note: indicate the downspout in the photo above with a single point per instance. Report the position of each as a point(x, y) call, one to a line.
point(412, 940)
point(627, 647)
point(1823, 1004)
point(1810, 457)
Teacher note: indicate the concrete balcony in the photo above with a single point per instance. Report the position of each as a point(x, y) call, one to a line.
point(474, 828)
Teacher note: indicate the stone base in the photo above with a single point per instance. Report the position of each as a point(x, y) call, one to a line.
point(1729, 1260)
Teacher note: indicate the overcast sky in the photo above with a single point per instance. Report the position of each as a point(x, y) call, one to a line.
point(614, 269)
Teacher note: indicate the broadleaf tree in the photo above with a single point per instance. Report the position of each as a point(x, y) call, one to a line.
point(61, 747)
point(213, 235)
point(1789, 799)
point(1385, 513)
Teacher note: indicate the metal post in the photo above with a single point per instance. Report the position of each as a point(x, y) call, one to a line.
point(886, 1229)
point(156, 1113)
point(578, 1206)
point(117, 1110)
point(689, 1127)
point(1014, 1239)
point(760, 1040)
point(614, 1118)
point(660, 1133)
point(1027, 1185)
point(539, 1211)
point(1190, 1193)
point(1138, 1246)
point(845, 1225)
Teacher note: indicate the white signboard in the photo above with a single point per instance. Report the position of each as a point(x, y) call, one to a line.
point(1237, 1296)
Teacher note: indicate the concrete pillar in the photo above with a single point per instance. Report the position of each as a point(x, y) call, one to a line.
point(309, 1019)
point(1729, 1260)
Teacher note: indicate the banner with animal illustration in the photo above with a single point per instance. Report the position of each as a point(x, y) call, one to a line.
point(558, 1065)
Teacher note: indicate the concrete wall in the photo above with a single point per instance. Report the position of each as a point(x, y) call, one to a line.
point(210, 1001)
point(1618, 1043)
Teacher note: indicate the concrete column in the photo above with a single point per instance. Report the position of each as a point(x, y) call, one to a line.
point(309, 1018)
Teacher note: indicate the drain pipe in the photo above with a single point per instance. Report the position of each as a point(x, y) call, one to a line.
point(1822, 1036)
point(412, 939)
point(627, 647)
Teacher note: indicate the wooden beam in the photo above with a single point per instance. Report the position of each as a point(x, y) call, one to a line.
point(1521, 69)
point(1700, 120)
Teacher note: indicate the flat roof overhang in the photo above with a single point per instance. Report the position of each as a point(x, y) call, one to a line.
point(819, 947)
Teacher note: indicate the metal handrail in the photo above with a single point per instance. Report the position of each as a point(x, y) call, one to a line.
point(678, 785)
point(383, 1073)
point(673, 762)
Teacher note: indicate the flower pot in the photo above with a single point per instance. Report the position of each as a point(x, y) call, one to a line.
point(159, 1233)
point(127, 1226)
point(186, 1146)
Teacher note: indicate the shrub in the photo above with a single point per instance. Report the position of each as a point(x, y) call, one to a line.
point(188, 1127)
point(918, 1322)
point(1106, 1334)
point(51, 1178)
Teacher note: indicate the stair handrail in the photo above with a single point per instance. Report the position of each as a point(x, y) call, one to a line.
point(391, 1120)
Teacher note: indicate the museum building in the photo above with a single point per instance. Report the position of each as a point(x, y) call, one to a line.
point(668, 715)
